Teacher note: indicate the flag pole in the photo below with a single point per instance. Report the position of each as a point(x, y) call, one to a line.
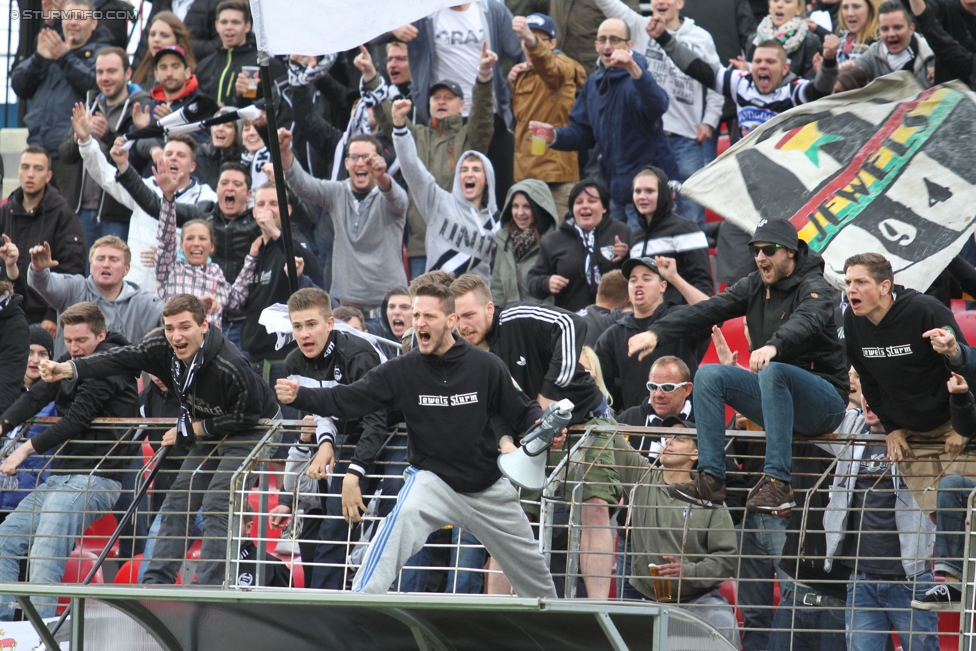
point(279, 177)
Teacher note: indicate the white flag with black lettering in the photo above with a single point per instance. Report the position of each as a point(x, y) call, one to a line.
point(316, 27)
point(890, 168)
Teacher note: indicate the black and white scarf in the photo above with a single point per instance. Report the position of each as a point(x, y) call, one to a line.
point(185, 385)
point(591, 270)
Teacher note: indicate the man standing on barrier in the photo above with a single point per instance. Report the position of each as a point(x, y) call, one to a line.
point(222, 401)
point(87, 475)
point(797, 377)
point(460, 405)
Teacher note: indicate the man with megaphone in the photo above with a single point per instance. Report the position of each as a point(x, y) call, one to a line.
point(460, 405)
point(541, 346)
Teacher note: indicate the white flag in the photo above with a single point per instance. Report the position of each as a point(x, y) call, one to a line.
point(316, 27)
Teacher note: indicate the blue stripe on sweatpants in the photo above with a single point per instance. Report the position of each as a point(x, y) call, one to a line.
point(387, 526)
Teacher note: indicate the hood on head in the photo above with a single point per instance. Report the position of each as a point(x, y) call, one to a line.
point(665, 203)
point(491, 205)
point(539, 196)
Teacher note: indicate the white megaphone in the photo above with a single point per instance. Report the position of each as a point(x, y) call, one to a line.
point(526, 467)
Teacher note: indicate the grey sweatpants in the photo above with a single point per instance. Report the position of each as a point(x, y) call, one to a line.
point(426, 504)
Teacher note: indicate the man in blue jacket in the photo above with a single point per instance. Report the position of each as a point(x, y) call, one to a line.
point(619, 109)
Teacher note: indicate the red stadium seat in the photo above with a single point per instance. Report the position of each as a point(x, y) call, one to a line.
point(967, 323)
point(129, 571)
point(96, 536)
point(734, 331)
point(76, 569)
point(294, 564)
point(729, 590)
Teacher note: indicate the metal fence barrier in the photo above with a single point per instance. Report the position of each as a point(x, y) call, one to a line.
point(756, 587)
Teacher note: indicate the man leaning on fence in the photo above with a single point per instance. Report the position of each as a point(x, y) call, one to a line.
point(691, 549)
point(222, 401)
point(87, 475)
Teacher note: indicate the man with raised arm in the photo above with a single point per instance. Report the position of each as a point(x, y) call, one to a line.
point(443, 385)
point(221, 401)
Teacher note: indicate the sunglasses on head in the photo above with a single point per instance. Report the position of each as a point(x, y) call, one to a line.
point(667, 387)
point(769, 250)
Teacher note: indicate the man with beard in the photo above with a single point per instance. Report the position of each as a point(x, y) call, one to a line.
point(789, 316)
point(444, 385)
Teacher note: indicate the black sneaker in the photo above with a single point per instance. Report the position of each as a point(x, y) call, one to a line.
point(704, 490)
point(941, 598)
point(769, 495)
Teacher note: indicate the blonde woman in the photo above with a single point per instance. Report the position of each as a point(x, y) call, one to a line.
point(857, 27)
point(590, 362)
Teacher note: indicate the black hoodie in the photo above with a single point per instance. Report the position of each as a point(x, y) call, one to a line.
point(626, 377)
point(562, 253)
point(84, 449)
point(902, 377)
point(227, 394)
point(794, 314)
point(14, 349)
point(52, 221)
point(673, 236)
point(457, 407)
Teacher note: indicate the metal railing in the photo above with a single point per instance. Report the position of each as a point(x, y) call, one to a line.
point(258, 476)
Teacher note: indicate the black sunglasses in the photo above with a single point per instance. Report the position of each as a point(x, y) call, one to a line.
point(769, 250)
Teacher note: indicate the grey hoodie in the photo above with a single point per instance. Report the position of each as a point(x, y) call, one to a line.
point(367, 255)
point(508, 275)
point(460, 237)
point(133, 313)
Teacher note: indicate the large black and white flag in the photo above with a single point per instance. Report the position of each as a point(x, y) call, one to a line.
point(890, 168)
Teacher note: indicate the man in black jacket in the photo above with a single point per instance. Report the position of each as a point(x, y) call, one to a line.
point(86, 479)
point(789, 314)
point(36, 213)
point(443, 386)
point(14, 344)
point(222, 401)
point(541, 347)
point(887, 328)
point(325, 358)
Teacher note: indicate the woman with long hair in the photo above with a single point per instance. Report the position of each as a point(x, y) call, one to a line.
point(857, 28)
point(164, 29)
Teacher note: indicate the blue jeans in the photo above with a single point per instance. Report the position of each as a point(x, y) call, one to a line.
point(418, 265)
point(875, 609)
point(196, 530)
point(232, 330)
point(690, 155)
point(782, 398)
point(798, 627)
point(330, 554)
point(470, 557)
point(763, 537)
point(45, 527)
point(620, 213)
point(953, 499)
point(625, 557)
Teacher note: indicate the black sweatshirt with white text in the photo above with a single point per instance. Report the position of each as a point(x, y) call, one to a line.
point(457, 406)
point(902, 377)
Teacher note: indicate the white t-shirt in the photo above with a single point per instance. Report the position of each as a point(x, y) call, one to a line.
point(458, 36)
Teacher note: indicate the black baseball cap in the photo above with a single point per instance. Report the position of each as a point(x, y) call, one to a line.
point(776, 231)
point(629, 265)
point(170, 49)
point(448, 84)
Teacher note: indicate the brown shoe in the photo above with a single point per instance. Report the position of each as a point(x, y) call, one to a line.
point(704, 490)
point(770, 494)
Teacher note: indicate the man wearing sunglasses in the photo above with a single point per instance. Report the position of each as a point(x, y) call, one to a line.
point(788, 309)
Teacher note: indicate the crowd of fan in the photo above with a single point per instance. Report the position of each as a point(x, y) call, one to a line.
point(533, 154)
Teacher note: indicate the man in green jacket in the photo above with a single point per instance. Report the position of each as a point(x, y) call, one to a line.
point(440, 143)
point(691, 559)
